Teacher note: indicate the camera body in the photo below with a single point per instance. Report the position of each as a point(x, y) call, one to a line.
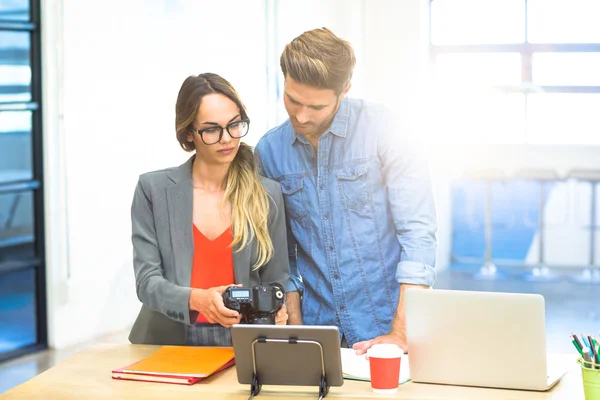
point(257, 305)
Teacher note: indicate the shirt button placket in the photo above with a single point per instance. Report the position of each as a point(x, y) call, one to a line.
point(327, 224)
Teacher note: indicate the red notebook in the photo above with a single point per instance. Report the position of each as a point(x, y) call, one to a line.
point(178, 364)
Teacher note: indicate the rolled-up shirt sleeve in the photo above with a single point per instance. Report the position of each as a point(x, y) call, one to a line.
point(411, 200)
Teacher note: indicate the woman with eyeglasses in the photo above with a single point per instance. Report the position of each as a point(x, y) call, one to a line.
point(206, 225)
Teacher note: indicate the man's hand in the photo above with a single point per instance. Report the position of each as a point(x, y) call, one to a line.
point(209, 303)
point(397, 334)
point(362, 347)
point(282, 316)
point(292, 301)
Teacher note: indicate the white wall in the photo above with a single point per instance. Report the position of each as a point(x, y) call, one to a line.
point(112, 73)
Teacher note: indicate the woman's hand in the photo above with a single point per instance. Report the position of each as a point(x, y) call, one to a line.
point(209, 303)
point(282, 316)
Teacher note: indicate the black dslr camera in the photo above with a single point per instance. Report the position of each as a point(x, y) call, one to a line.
point(257, 305)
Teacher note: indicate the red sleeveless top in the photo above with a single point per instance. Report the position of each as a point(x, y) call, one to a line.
point(213, 262)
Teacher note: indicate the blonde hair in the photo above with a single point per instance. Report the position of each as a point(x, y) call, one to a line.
point(320, 59)
point(249, 199)
point(249, 205)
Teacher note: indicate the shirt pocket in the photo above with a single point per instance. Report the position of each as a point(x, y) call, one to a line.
point(293, 196)
point(353, 186)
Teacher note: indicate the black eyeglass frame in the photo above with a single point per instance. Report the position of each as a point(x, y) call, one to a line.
point(201, 131)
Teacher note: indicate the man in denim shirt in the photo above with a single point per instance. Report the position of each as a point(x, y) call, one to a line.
point(361, 215)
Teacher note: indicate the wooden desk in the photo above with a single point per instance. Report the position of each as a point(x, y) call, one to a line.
point(87, 376)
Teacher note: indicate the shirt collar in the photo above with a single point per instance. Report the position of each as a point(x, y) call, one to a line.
point(339, 126)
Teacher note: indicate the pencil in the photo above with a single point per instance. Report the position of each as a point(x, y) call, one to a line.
point(576, 346)
point(577, 340)
point(596, 356)
point(584, 341)
point(587, 357)
point(592, 346)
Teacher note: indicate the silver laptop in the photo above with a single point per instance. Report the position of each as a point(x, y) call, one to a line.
point(478, 339)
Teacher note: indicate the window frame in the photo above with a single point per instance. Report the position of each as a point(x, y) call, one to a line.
point(35, 185)
point(526, 50)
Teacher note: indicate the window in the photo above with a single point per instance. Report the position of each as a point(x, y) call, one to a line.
point(22, 266)
point(533, 63)
point(17, 305)
point(460, 22)
point(15, 10)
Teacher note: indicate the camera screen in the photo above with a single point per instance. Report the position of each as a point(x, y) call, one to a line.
point(240, 293)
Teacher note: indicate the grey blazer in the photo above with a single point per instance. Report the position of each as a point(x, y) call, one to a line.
point(163, 248)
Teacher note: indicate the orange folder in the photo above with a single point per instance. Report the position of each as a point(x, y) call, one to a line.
point(178, 364)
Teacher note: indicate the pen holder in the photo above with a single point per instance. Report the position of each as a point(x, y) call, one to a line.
point(591, 379)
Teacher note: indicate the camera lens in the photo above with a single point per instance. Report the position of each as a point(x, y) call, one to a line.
point(279, 294)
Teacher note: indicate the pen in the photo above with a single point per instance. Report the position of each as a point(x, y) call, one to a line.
point(576, 346)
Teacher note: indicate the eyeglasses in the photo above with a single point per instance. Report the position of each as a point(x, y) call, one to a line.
point(214, 134)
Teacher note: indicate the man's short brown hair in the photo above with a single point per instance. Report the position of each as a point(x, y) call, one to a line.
point(320, 59)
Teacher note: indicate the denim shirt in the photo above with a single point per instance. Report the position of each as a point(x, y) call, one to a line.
point(361, 217)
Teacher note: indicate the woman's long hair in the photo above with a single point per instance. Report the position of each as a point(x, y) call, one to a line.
point(248, 197)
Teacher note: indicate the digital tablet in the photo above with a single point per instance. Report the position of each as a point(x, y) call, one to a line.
point(287, 355)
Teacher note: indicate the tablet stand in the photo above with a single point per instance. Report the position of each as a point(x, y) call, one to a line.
point(255, 386)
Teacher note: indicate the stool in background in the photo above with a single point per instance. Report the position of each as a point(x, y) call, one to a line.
point(488, 270)
point(590, 274)
point(540, 272)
